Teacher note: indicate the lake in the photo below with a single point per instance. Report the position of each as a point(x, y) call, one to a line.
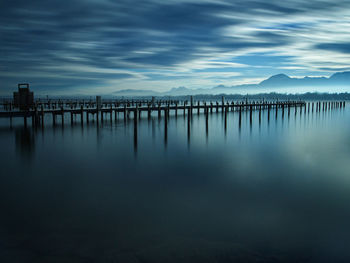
point(277, 190)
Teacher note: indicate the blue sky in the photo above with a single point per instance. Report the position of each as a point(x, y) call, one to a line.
point(101, 46)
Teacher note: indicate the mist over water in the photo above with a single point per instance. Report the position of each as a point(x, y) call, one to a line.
point(275, 190)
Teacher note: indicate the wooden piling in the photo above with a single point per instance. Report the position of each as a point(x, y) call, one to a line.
point(136, 111)
point(71, 117)
point(111, 113)
point(62, 114)
point(251, 113)
point(166, 127)
point(206, 110)
point(42, 116)
point(276, 111)
point(82, 114)
point(260, 113)
point(191, 105)
point(240, 115)
point(175, 109)
point(223, 102)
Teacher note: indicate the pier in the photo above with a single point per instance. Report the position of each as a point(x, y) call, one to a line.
point(110, 109)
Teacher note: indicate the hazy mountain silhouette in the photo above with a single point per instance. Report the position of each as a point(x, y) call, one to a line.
point(276, 81)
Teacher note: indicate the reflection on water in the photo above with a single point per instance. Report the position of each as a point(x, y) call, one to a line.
point(25, 142)
point(227, 187)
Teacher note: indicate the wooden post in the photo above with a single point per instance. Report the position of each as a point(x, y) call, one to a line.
point(136, 111)
point(223, 102)
point(188, 125)
point(62, 114)
point(240, 115)
point(260, 113)
point(191, 105)
point(35, 116)
point(184, 109)
point(166, 112)
point(175, 109)
point(71, 117)
point(206, 110)
point(149, 111)
point(42, 116)
point(110, 113)
point(276, 110)
point(251, 113)
point(82, 114)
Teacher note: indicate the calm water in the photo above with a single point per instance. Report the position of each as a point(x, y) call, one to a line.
point(278, 191)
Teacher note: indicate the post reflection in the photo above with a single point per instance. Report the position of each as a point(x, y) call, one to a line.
point(25, 142)
point(188, 128)
point(165, 129)
point(135, 135)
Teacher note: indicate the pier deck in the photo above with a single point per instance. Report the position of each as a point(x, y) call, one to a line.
point(40, 109)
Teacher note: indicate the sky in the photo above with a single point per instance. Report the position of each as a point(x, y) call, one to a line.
point(102, 46)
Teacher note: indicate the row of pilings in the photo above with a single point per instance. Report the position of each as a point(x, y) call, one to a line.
point(112, 111)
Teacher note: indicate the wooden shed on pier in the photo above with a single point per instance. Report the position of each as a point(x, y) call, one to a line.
point(23, 98)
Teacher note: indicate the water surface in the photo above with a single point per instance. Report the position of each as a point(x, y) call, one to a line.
point(275, 190)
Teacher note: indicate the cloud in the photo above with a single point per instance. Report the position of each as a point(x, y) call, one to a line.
point(137, 44)
point(338, 47)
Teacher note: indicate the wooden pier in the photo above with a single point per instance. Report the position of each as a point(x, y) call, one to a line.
point(93, 110)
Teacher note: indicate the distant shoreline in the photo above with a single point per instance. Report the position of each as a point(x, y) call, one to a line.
point(269, 96)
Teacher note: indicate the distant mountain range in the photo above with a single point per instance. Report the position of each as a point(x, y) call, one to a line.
point(279, 81)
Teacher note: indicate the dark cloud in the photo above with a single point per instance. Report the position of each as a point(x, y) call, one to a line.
point(339, 47)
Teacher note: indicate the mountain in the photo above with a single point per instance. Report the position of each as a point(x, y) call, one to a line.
point(340, 78)
point(276, 80)
point(279, 81)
